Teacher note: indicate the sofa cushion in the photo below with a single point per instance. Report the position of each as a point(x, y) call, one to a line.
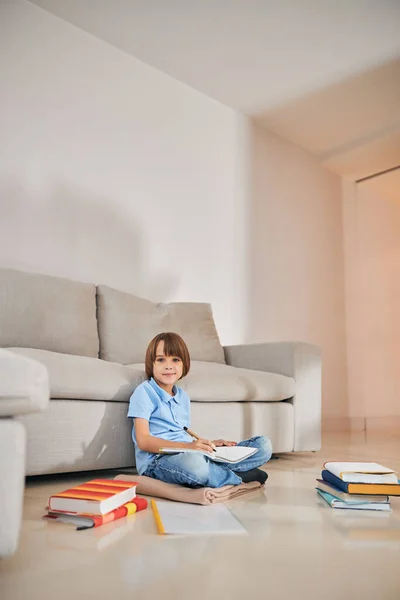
point(212, 382)
point(238, 420)
point(50, 313)
point(83, 378)
point(222, 383)
point(127, 323)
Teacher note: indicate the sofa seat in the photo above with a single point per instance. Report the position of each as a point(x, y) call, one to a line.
point(84, 378)
point(213, 382)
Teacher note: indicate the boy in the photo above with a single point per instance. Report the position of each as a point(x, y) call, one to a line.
point(160, 412)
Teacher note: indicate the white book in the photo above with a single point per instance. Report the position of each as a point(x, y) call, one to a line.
point(361, 472)
point(229, 454)
point(179, 518)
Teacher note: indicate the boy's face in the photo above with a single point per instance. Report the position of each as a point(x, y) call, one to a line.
point(166, 369)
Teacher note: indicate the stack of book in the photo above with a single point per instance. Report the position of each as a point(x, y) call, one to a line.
point(358, 485)
point(95, 503)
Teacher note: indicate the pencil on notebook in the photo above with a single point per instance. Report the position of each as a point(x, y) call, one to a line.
point(195, 436)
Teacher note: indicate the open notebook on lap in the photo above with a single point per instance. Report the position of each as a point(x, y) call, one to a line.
point(228, 454)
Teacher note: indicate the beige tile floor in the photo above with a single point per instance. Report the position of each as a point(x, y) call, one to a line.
point(296, 547)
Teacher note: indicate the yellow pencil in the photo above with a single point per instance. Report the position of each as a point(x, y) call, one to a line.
point(196, 437)
point(159, 523)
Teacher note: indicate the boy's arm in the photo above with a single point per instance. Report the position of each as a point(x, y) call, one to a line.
point(150, 443)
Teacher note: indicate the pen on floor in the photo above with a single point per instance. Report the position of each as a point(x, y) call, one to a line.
point(195, 436)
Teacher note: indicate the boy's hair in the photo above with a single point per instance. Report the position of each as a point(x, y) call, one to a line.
point(173, 346)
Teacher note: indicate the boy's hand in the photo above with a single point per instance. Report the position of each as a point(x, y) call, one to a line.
point(204, 445)
point(224, 443)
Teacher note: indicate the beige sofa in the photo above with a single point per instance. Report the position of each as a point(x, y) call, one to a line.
point(92, 340)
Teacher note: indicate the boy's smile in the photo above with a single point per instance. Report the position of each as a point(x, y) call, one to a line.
point(167, 370)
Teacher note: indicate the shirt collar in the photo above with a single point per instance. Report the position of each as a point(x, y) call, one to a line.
point(162, 393)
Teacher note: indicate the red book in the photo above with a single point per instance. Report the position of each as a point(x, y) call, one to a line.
point(87, 521)
point(96, 497)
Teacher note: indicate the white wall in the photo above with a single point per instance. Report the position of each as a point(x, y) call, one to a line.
point(112, 172)
point(353, 302)
point(379, 242)
point(372, 258)
point(297, 264)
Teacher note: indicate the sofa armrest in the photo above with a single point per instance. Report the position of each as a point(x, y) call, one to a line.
point(294, 359)
point(24, 385)
point(24, 388)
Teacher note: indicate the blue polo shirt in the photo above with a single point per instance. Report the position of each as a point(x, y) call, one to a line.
point(167, 416)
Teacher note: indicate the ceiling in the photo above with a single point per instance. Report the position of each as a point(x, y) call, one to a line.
point(323, 75)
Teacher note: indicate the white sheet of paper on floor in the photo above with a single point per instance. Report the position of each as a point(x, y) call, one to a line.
point(191, 519)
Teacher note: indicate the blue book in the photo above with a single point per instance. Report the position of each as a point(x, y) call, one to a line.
point(335, 481)
point(337, 503)
point(381, 489)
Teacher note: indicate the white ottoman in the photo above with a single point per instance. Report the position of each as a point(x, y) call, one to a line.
point(24, 388)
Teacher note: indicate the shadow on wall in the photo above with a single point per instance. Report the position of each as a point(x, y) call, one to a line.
point(66, 232)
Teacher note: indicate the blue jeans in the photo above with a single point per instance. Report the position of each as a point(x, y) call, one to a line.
point(197, 470)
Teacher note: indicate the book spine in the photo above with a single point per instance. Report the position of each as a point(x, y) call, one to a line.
point(324, 498)
point(129, 508)
point(335, 481)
